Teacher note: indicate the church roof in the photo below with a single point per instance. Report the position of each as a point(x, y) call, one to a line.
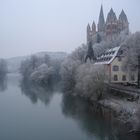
point(111, 17)
point(123, 17)
point(108, 56)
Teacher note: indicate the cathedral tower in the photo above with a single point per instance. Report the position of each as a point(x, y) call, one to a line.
point(101, 22)
point(109, 29)
point(123, 22)
point(111, 25)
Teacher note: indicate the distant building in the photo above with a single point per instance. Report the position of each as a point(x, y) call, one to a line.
point(113, 62)
point(109, 29)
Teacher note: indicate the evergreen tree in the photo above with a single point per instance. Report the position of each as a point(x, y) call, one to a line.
point(90, 52)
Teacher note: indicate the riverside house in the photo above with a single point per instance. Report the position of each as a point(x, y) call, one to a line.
point(113, 61)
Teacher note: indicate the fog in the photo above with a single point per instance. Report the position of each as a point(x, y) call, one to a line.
point(29, 26)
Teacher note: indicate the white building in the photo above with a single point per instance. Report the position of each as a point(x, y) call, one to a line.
point(113, 61)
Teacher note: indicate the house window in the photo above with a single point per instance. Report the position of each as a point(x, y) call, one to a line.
point(115, 77)
point(124, 78)
point(132, 77)
point(115, 68)
point(124, 68)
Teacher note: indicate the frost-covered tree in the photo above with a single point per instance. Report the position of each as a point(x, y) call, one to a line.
point(42, 69)
point(83, 79)
point(79, 53)
point(3, 72)
point(70, 65)
point(3, 68)
point(132, 53)
point(102, 46)
point(90, 53)
point(29, 65)
point(68, 73)
point(90, 81)
point(42, 75)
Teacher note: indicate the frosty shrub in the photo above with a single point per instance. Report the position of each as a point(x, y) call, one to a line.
point(90, 81)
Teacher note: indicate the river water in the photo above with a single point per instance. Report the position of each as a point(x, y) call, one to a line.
point(34, 113)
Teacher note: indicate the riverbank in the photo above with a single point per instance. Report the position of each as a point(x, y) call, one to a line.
point(124, 103)
point(120, 103)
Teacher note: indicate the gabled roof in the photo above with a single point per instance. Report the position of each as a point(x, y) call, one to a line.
point(108, 56)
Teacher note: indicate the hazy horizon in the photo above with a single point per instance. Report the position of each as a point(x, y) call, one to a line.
point(28, 27)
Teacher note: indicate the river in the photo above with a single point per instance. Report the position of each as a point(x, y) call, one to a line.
point(33, 113)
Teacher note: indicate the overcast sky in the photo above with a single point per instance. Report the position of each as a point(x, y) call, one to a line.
point(29, 26)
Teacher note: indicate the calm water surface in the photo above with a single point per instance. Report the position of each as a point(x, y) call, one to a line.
point(32, 113)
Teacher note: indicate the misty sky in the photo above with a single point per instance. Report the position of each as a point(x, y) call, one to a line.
point(29, 26)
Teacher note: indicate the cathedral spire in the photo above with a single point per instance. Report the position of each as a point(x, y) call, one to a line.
point(111, 17)
point(123, 16)
point(101, 22)
point(88, 27)
point(89, 33)
point(94, 27)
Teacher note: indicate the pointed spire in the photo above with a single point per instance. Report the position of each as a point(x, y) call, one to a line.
point(88, 27)
point(93, 27)
point(123, 16)
point(111, 10)
point(111, 17)
point(123, 22)
point(101, 22)
point(88, 33)
point(123, 12)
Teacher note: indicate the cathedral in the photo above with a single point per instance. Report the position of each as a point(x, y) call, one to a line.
point(109, 29)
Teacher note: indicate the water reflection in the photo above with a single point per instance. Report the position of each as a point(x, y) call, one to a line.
point(35, 92)
point(90, 122)
point(3, 83)
point(95, 122)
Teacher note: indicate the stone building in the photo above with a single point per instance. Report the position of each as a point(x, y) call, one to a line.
point(109, 29)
